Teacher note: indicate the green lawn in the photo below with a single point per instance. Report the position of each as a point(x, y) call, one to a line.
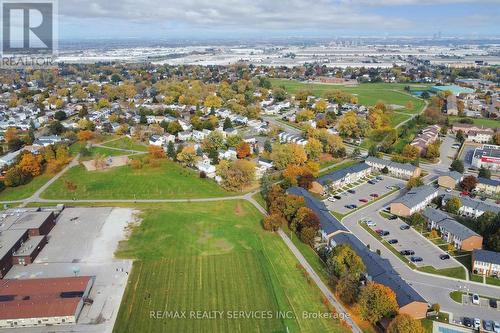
point(489, 280)
point(455, 272)
point(398, 118)
point(367, 93)
point(260, 199)
point(493, 123)
point(24, 191)
point(126, 143)
point(214, 257)
point(167, 181)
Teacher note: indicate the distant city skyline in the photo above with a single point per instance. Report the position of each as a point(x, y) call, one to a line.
point(226, 19)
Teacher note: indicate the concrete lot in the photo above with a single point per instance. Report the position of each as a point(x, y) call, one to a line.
point(363, 192)
point(83, 241)
point(411, 240)
point(467, 152)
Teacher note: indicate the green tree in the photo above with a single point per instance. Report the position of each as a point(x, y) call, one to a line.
point(484, 173)
point(343, 260)
point(457, 165)
point(414, 182)
point(227, 124)
point(453, 205)
point(171, 150)
point(347, 289)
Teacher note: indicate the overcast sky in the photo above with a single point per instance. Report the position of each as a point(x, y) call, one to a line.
point(168, 19)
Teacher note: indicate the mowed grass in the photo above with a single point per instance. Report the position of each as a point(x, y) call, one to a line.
point(214, 257)
point(24, 191)
point(126, 143)
point(167, 181)
point(367, 93)
point(493, 123)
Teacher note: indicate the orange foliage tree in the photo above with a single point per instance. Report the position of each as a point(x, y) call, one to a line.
point(156, 152)
point(243, 150)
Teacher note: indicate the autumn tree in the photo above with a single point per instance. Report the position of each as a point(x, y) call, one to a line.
point(343, 260)
point(432, 151)
point(213, 101)
point(276, 199)
point(453, 205)
point(236, 174)
point(411, 152)
point(404, 323)
point(156, 152)
point(347, 288)
point(287, 154)
point(30, 164)
point(376, 302)
point(273, 222)
point(350, 125)
point(85, 135)
point(313, 148)
point(414, 182)
point(469, 183)
point(187, 156)
point(243, 150)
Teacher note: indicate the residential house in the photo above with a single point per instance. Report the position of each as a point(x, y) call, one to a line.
point(452, 231)
point(285, 137)
point(473, 208)
point(414, 200)
point(428, 135)
point(345, 176)
point(205, 166)
point(450, 179)
point(9, 159)
point(486, 263)
point(398, 170)
point(45, 141)
point(184, 136)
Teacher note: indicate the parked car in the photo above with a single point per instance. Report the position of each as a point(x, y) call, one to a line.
point(467, 322)
point(493, 303)
point(407, 252)
point(379, 231)
point(380, 178)
point(371, 223)
point(448, 190)
point(351, 191)
point(477, 323)
point(332, 199)
point(374, 195)
point(444, 256)
point(404, 227)
point(363, 200)
point(338, 197)
point(393, 217)
point(416, 259)
point(464, 194)
point(392, 241)
point(496, 325)
point(475, 299)
point(371, 182)
point(488, 325)
point(385, 233)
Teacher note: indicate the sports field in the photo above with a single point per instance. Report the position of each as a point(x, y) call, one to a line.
point(126, 143)
point(215, 257)
point(166, 181)
point(367, 93)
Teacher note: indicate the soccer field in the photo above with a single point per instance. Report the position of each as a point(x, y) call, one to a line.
point(215, 257)
point(367, 93)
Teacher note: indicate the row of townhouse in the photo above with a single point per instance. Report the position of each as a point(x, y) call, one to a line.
point(488, 186)
point(285, 137)
point(452, 231)
point(428, 135)
point(473, 208)
point(398, 170)
point(414, 200)
point(345, 176)
point(475, 133)
point(486, 263)
point(450, 179)
point(378, 269)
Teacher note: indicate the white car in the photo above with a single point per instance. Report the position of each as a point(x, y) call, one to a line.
point(371, 223)
point(332, 199)
point(475, 299)
point(496, 327)
point(477, 323)
point(448, 190)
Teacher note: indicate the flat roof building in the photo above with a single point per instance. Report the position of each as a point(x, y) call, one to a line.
point(488, 156)
point(42, 302)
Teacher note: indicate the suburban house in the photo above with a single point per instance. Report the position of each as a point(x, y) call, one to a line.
point(452, 231)
point(473, 208)
point(45, 141)
point(450, 179)
point(414, 200)
point(345, 176)
point(398, 170)
point(488, 186)
point(161, 140)
point(486, 263)
point(291, 138)
point(205, 166)
point(481, 136)
point(9, 159)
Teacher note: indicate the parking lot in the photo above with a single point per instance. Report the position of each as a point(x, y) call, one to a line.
point(411, 240)
point(363, 191)
point(83, 243)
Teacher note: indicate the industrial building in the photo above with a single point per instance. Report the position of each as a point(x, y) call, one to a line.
point(487, 156)
point(42, 302)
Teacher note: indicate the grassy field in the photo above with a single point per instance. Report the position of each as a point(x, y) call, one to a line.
point(126, 143)
point(214, 257)
point(24, 191)
point(493, 123)
point(367, 93)
point(167, 181)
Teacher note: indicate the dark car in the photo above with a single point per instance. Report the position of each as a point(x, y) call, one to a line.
point(392, 241)
point(416, 259)
point(363, 200)
point(488, 325)
point(393, 217)
point(467, 322)
point(404, 227)
point(493, 303)
point(338, 197)
point(374, 195)
point(444, 256)
point(371, 182)
point(407, 252)
point(385, 233)
point(351, 191)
